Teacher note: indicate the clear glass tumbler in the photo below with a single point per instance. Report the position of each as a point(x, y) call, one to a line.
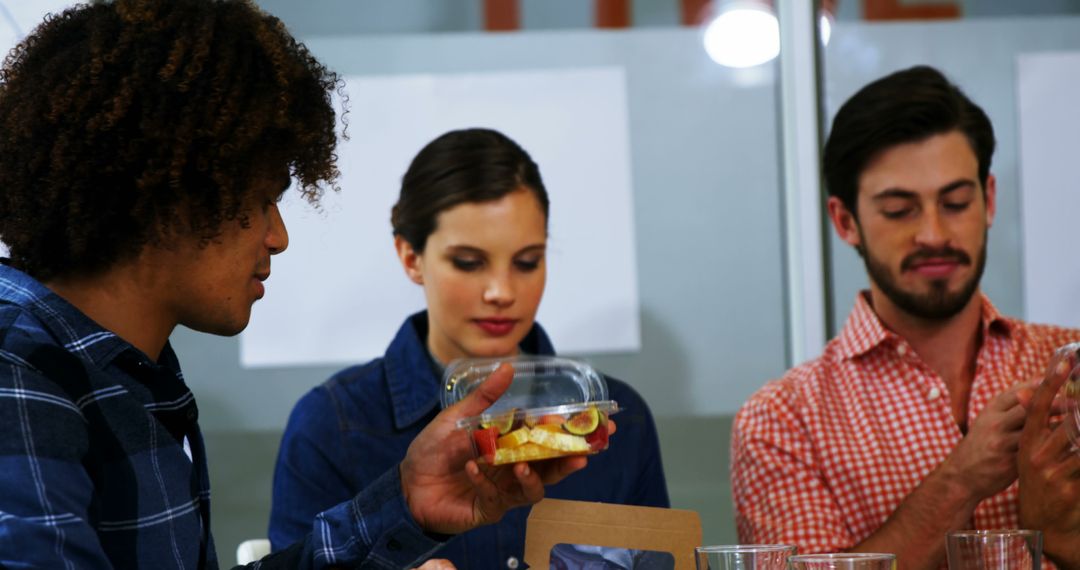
point(994, 549)
point(744, 557)
point(844, 561)
point(1066, 360)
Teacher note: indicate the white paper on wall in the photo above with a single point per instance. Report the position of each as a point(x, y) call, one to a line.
point(1048, 85)
point(338, 294)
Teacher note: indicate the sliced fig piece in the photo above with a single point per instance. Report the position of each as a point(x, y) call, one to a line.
point(584, 422)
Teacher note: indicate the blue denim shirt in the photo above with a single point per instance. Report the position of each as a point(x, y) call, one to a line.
point(350, 429)
point(93, 464)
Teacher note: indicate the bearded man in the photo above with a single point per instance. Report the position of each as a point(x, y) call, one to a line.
point(908, 425)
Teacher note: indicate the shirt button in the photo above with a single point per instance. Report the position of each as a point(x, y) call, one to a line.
point(512, 563)
point(934, 394)
point(902, 350)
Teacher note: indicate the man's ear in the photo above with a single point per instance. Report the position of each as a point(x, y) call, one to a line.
point(844, 221)
point(990, 192)
point(411, 261)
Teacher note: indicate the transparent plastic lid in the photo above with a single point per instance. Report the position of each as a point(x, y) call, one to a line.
point(541, 384)
point(555, 407)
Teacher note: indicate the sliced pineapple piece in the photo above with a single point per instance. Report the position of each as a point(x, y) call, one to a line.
point(515, 438)
point(526, 452)
point(557, 440)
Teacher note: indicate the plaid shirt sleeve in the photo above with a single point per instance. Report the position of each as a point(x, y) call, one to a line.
point(779, 495)
point(374, 530)
point(44, 509)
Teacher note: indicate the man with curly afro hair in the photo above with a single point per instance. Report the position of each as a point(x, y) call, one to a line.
point(144, 145)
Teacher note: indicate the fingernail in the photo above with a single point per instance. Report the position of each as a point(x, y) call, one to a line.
point(525, 470)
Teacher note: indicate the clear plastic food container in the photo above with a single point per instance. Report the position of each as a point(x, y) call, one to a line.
point(1066, 360)
point(555, 407)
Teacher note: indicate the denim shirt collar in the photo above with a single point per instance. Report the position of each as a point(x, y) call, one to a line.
point(410, 374)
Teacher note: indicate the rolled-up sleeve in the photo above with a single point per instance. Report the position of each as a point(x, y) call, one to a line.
point(779, 492)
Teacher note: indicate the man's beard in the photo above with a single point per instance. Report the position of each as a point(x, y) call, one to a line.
point(937, 304)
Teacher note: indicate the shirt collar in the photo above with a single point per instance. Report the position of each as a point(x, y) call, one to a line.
point(414, 387)
point(69, 326)
point(864, 331)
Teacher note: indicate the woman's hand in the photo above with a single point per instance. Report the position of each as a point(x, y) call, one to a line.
point(448, 493)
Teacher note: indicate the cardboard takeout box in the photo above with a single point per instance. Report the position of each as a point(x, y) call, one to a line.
point(555, 522)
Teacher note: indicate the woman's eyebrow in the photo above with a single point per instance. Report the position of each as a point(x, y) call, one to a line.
point(465, 248)
point(541, 247)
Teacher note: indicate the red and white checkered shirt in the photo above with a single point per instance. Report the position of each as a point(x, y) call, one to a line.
point(823, 456)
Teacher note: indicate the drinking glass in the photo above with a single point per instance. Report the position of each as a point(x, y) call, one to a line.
point(844, 561)
point(744, 557)
point(1015, 549)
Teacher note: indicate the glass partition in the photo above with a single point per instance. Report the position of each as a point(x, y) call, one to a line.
point(979, 50)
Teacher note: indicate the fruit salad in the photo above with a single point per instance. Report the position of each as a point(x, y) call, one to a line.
point(531, 435)
point(553, 408)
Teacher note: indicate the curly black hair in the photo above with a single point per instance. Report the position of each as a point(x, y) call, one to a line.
point(125, 123)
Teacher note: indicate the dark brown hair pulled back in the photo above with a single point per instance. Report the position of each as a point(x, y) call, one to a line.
point(469, 165)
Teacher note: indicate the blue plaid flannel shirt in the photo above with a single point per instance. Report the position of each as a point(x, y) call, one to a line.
point(93, 464)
